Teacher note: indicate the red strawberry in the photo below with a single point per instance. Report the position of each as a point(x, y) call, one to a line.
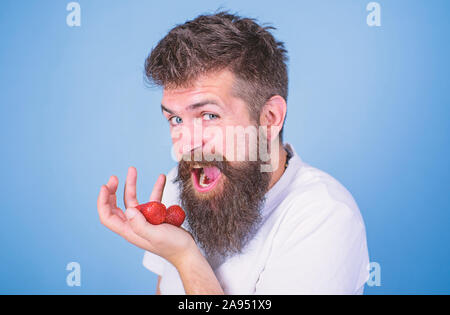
point(175, 216)
point(154, 212)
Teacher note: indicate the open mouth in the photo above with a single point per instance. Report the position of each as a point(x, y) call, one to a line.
point(205, 178)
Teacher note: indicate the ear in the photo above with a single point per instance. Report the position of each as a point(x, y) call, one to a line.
point(272, 116)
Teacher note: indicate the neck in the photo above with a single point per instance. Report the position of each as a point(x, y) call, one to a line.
point(278, 158)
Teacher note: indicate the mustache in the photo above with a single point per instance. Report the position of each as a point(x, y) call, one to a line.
point(230, 170)
point(192, 160)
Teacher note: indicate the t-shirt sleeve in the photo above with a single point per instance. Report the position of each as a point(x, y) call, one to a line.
point(154, 263)
point(321, 250)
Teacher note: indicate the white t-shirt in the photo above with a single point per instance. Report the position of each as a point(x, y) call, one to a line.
point(312, 240)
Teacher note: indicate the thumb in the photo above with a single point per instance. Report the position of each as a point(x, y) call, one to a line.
point(138, 223)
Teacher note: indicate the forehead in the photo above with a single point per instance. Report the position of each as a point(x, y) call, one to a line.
point(217, 85)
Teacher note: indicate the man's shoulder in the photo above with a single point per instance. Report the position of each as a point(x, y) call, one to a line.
point(319, 184)
point(310, 187)
point(318, 244)
point(314, 194)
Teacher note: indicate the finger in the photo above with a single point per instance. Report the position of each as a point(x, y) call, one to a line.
point(138, 224)
point(158, 189)
point(129, 195)
point(107, 214)
point(103, 205)
point(120, 214)
point(112, 185)
point(103, 197)
point(115, 224)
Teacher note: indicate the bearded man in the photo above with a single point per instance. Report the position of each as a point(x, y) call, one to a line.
point(259, 219)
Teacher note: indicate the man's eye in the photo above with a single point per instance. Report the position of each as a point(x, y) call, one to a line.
point(210, 116)
point(175, 120)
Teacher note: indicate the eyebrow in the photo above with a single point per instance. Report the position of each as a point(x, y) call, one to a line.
point(193, 106)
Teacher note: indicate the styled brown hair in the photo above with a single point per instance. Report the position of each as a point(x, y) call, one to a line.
point(222, 41)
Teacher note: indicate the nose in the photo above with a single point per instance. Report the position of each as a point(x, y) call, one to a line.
point(189, 137)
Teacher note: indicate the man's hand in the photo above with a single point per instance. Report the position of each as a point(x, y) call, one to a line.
point(172, 243)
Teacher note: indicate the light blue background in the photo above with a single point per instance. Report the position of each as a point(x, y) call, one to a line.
point(368, 105)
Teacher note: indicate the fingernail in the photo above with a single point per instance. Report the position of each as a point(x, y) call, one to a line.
point(130, 213)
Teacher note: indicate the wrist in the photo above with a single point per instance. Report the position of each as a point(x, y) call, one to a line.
point(196, 273)
point(188, 258)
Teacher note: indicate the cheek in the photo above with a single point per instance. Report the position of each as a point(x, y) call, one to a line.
point(180, 141)
point(176, 151)
point(232, 141)
point(214, 140)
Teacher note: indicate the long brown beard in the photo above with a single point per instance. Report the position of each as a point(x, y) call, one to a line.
point(223, 221)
